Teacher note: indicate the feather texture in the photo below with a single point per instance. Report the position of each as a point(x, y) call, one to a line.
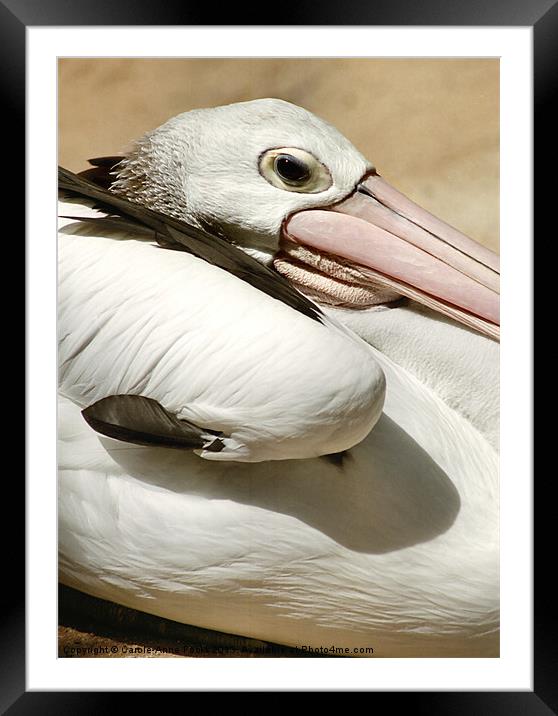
point(393, 545)
point(175, 233)
point(143, 421)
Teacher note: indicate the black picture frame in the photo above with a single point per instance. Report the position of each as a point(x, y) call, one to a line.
point(15, 16)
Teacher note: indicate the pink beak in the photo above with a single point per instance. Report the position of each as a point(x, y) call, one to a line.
point(405, 248)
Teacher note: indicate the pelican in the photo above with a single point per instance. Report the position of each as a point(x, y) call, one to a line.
point(278, 411)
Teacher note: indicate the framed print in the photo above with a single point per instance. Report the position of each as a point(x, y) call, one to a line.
point(472, 69)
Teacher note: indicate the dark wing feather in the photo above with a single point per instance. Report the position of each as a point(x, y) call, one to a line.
point(102, 172)
point(144, 421)
point(109, 162)
point(174, 233)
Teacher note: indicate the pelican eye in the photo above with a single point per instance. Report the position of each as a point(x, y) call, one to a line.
point(293, 169)
point(290, 169)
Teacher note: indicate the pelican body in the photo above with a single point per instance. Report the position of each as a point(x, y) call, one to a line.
point(259, 374)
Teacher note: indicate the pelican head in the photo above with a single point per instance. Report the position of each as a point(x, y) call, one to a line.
point(290, 189)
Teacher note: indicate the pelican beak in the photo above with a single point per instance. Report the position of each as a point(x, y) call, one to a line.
point(398, 245)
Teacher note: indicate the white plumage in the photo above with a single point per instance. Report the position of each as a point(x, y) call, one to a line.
point(136, 319)
point(396, 549)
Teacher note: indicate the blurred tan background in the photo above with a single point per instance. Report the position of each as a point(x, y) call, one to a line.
point(431, 127)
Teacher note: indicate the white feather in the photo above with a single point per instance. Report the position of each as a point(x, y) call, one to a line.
point(398, 548)
point(138, 319)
